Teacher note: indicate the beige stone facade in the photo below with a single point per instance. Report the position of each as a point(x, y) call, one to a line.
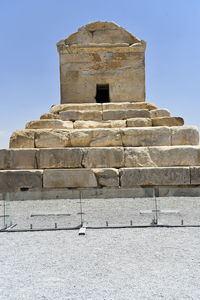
point(102, 60)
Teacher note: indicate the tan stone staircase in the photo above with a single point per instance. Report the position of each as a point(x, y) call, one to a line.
point(106, 150)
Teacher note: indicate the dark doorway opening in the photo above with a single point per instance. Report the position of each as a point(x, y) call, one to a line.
point(102, 93)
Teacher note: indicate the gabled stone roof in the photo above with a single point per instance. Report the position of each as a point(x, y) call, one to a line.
point(101, 32)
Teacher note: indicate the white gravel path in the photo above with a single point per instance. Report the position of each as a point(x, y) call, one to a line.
point(153, 263)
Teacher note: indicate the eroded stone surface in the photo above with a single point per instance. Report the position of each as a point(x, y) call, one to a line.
point(107, 177)
point(16, 180)
point(155, 176)
point(139, 122)
point(52, 123)
point(52, 138)
point(49, 116)
point(60, 158)
point(195, 175)
point(185, 135)
point(168, 121)
point(23, 159)
point(22, 139)
point(158, 113)
point(125, 114)
point(77, 178)
point(4, 158)
point(102, 124)
point(103, 157)
point(106, 138)
point(73, 115)
point(155, 136)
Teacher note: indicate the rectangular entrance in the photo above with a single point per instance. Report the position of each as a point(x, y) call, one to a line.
point(102, 93)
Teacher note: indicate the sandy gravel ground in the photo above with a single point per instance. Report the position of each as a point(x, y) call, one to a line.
point(96, 212)
point(152, 263)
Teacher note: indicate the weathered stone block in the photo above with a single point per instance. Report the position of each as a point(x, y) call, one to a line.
point(168, 121)
point(77, 178)
point(60, 158)
point(16, 180)
point(138, 157)
point(22, 139)
point(139, 122)
point(162, 156)
point(80, 138)
point(4, 158)
point(103, 157)
point(71, 115)
point(76, 106)
point(175, 156)
point(125, 114)
point(106, 138)
point(185, 135)
point(155, 176)
point(23, 159)
point(128, 105)
point(154, 136)
point(107, 177)
point(157, 113)
point(49, 124)
point(195, 175)
point(100, 124)
point(49, 116)
point(52, 138)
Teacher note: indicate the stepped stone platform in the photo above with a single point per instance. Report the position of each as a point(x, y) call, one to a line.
point(52, 158)
point(113, 144)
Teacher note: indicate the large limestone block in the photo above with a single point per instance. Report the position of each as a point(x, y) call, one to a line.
point(71, 115)
point(138, 157)
point(128, 105)
point(107, 177)
point(106, 138)
point(81, 138)
point(162, 156)
point(158, 113)
point(69, 178)
point(54, 124)
point(155, 176)
point(103, 157)
point(95, 138)
point(139, 122)
point(145, 136)
point(195, 175)
point(168, 121)
point(22, 139)
point(49, 116)
point(60, 158)
point(175, 156)
point(100, 124)
point(75, 106)
point(52, 138)
point(185, 135)
point(23, 159)
point(16, 180)
point(4, 158)
point(125, 114)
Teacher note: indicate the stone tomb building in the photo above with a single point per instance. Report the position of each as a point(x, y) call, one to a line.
point(102, 62)
point(103, 139)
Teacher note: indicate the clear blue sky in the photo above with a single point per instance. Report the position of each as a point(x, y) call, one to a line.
point(29, 66)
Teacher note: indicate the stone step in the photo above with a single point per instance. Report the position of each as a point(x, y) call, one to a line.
point(100, 107)
point(38, 180)
point(102, 137)
point(132, 122)
point(105, 115)
point(100, 157)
